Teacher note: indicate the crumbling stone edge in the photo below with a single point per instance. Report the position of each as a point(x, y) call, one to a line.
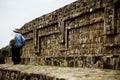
point(9, 74)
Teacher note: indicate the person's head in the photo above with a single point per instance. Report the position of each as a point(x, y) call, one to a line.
point(16, 30)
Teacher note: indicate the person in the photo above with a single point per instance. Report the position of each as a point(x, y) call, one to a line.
point(16, 45)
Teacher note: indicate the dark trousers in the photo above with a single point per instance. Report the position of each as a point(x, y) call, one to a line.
point(16, 57)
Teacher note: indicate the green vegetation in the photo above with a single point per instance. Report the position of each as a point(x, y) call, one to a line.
point(5, 53)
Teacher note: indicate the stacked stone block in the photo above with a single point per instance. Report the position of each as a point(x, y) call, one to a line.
point(84, 33)
point(31, 72)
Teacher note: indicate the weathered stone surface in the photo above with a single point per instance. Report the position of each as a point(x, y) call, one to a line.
point(107, 62)
point(29, 72)
point(82, 28)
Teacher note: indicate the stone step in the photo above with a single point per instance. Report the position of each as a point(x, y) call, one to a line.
point(103, 62)
point(34, 72)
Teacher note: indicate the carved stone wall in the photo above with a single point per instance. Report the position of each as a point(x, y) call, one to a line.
point(83, 28)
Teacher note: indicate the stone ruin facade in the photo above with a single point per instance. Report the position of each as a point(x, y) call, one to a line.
point(85, 33)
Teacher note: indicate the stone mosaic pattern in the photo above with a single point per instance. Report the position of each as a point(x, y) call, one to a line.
point(83, 28)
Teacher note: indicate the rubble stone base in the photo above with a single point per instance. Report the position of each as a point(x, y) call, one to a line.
point(32, 72)
point(104, 62)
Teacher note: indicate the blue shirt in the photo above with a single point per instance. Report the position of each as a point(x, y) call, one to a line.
point(19, 40)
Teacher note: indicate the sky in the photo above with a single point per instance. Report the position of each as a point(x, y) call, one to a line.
point(15, 13)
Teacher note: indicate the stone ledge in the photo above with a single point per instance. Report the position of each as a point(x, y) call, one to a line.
point(89, 61)
point(30, 72)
